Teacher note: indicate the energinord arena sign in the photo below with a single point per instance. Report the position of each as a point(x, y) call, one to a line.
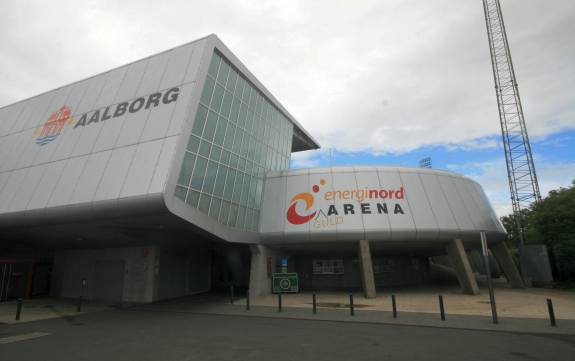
point(349, 202)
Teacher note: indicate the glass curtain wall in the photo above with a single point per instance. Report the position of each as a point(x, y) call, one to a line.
point(236, 137)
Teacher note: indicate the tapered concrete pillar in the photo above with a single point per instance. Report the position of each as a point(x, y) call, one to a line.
point(260, 272)
point(505, 261)
point(366, 268)
point(460, 263)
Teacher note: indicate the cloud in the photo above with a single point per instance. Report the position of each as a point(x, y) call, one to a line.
point(374, 76)
point(492, 175)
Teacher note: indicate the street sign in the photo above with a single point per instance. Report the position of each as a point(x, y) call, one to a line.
point(285, 283)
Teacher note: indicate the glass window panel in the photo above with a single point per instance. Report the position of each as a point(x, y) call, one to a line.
point(210, 179)
point(252, 192)
point(242, 164)
point(205, 148)
point(181, 192)
point(187, 168)
point(216, 153)
point(214, 65)
point(255, 220)
point(233, 160)
point(249, 215)
point(223, 73)
point(207, 91)
point(217, 98)
point(220, 181)
point(245, 191)
point(224, 212)
point(193, 198)
point(241, 217)
point(238, 92)
point(193, 144)
point(232, 78)
point(220, 131)
point(226, 105)
point(230, 133)
point(233, 215)
point(238, 141)
point(210, 127)
point(252, 148)
point(225, 159)
point(215, 207)
point(246, 94)
point(229, 189)
point(238, 188)
point(199, 172)
point(204, 205)
point(245, 145)
point(242, 116)
point(259, 192)
point(200, 120)
point(235, 110)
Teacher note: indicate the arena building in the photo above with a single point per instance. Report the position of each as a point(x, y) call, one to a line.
point(170, 176)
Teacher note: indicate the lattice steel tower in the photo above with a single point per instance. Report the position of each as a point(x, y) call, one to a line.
point(520, 167)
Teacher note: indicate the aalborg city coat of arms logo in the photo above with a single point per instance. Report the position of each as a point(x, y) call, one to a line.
point(54, 126)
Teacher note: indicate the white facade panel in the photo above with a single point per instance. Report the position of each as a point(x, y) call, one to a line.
point(376, 222)
point(90, 178)
point(8, 116)
point(163, 166)
point(115, 173)
point(177, 66)
point(67, 182)
point(142, 169)
point(181, 111)
point(400, 216)
point(15, 179)
point(47, 184)
point(67, 140)
point(297, 184)
point(270, 222)
point(455, 204)
point(424, 219)
point(23, 195)
point(441, 210)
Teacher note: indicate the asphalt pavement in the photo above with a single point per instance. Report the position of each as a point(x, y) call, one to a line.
point(132, 334)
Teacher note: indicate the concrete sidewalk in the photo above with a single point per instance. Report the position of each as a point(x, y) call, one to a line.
point(472, 322)
point(46, 308)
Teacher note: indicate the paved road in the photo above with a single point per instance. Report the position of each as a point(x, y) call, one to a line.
point(147, 335)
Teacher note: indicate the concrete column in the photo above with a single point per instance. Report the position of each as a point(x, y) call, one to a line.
point(505, 261)
point(366, 268)
point(460, 263)
point(260, 281)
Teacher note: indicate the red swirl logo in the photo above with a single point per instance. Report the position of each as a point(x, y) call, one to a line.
point(293, 216)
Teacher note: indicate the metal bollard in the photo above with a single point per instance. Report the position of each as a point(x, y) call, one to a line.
point(393, 305)
point(551, 312)
point(351, 312)
point(81, 298)
point(441, 308)
point(279, 302)
point(232, 294)
point(18, 309)
point(314, 304)
point(247, 300)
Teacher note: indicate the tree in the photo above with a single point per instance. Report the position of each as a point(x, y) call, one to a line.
point(552, 222)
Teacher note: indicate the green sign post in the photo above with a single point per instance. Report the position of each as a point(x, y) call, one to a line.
point(285, 283)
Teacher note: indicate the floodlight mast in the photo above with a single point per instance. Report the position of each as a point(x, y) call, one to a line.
point(520, 167)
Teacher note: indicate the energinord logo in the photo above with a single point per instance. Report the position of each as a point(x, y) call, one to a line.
point(293, 216)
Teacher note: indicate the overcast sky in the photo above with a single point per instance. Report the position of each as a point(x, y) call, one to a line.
point(379, 82)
